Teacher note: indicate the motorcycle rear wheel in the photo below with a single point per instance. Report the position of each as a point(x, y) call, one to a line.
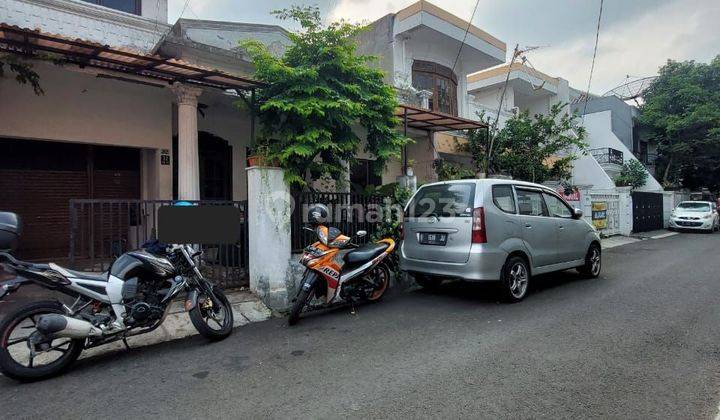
point(12, 368)
point(384, 273)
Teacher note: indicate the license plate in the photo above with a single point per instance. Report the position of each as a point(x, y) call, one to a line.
point(433, 238)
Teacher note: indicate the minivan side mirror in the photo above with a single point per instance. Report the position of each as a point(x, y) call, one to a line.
point(361, 233)
point(577, 213)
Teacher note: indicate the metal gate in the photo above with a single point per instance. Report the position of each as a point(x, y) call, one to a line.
point(647, 211)
point(101, 230)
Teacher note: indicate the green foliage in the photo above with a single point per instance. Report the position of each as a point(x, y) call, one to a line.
point(681, 115)
point(447, 171)
point(633, 174)
point(24, 73)
point(535, 149)
point(392, 217)
point(319, 90)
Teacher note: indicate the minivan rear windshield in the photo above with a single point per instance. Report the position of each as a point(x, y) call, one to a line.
point(443, 200)
point(698, 207)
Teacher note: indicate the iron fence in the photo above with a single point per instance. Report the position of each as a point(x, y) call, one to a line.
point(608, 155)
point(349, 213)
point(101, 230)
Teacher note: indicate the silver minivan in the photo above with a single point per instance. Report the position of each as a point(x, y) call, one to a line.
point(494, 229)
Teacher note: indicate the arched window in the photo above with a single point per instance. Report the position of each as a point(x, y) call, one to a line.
point(439, 80)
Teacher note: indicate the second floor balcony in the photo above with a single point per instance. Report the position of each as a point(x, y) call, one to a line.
point(608, 155)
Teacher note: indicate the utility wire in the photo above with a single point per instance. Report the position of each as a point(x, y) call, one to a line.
point(592, 66)
point(466, 34)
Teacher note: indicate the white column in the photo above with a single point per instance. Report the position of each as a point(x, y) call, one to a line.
point(188, 159)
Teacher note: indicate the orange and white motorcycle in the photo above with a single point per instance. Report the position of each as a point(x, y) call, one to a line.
point(339, 271)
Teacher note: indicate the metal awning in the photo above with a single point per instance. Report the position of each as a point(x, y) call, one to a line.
point(87, 53)
point(424, 119)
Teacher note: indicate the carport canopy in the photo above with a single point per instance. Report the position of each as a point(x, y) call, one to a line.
point(425, 119)
point(28, 42)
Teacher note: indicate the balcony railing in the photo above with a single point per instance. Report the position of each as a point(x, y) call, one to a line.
point(608, 155)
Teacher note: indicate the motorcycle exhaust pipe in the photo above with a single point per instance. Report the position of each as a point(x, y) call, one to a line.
point(57, 326)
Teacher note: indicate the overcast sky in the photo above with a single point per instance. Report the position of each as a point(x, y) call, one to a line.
point(636, 36)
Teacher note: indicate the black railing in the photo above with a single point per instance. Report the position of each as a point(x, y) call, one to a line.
point(608, 155)
point(101, 230)
point(349, 213)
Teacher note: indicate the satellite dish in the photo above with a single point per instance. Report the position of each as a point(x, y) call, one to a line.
point(631, 89)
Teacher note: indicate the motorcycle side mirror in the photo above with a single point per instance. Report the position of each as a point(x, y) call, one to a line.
point(361, 233)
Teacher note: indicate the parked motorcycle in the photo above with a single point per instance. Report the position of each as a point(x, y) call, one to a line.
point(339, 271)
point(45, 337)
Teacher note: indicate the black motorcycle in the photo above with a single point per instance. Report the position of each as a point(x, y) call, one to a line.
point(43, 338)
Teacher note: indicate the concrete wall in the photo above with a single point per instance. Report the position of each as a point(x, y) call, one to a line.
point(269, 210)
point(377, 40)
point(79, 107)
point(621, 113)
point(600, 134)
point(80, 19)
point(228, 35)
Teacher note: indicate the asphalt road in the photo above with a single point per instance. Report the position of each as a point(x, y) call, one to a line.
point(642, 341)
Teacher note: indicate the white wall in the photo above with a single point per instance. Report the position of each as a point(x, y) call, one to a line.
point(79, 107)
point(80, 19)
point(225, 120)
point(600, 134)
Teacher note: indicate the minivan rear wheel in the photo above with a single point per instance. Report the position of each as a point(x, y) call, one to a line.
point(515, 279)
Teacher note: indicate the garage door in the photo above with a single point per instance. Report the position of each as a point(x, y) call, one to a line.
point(38, 179)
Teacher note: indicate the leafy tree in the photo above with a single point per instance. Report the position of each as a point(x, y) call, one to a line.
point(531, 148)
point(24, 73)
point(681, 115)
point(319, 91)
point(633, 174)
point(447, 171)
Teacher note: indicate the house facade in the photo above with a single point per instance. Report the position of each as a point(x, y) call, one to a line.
point(608, 120)
point(421, 51)
point(139, 109)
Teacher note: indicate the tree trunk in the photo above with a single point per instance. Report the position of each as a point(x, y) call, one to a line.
point(667, 171)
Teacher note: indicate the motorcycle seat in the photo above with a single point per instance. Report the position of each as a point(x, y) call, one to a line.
point(365, 253)
point(87, 275)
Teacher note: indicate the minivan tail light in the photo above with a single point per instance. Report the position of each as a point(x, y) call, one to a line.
point(478, 226)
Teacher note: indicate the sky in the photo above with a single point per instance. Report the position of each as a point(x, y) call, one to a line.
point(636, 36)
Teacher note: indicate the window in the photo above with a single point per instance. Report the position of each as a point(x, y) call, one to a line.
point(443, 200)
point(362, 175)
point(530, 203)
point(557, 207)
point(697, 207)
point(503, 198)
point(439, 80)
point(128, 6)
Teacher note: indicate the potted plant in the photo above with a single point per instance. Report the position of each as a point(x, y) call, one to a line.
point(260, 156)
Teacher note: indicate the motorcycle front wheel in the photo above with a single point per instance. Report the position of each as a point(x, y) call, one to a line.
point(17, 361)
point(213, 323)
point(298, 306)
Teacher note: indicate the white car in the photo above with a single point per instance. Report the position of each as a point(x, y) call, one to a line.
point(695, 215)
